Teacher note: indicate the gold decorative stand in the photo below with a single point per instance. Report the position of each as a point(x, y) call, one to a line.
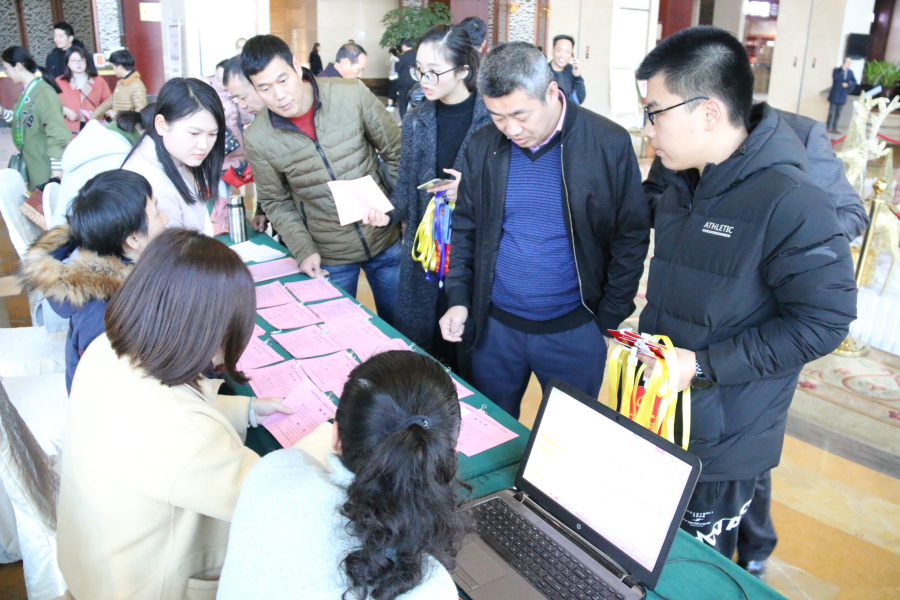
point(850, 346)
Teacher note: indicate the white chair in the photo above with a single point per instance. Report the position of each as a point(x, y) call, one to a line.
point(50, 199)
point(13, 194)
point(32, 485)
point(29, 351)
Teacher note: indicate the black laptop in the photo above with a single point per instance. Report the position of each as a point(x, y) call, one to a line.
point(597, 503)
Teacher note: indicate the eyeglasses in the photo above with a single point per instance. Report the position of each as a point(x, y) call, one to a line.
point(76, 61)
point(429, 77)
point(652, 113)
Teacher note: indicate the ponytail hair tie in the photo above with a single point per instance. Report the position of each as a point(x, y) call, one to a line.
point(419, 420)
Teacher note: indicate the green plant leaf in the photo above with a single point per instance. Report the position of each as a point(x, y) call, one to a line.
point(411, 22)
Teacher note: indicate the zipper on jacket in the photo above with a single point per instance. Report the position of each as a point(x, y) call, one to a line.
point(571, 226)
point(359, 232)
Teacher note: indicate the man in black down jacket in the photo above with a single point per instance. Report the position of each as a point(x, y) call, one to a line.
point(751, 276)
point(549, 234)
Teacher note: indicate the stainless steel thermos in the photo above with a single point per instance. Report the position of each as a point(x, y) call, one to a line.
point(237, 219)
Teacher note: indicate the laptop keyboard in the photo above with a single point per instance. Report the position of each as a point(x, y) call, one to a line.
point(549, 568)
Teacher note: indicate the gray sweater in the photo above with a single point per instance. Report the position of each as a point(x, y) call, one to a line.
point(288, 539)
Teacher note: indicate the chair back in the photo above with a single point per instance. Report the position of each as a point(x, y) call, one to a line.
point(50, 199)
point(13, 194)
point(33, 488)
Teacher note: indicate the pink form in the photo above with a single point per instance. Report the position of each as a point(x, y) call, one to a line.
point(461, 390)
point(479, 432)
point(307, 342)
point(274, 269)
point(289, 316)
point(331, 372)
point(272, 294)
point(366, 352)
point(340, 310)
point(313, 290)
point(313, 408)
point(353, 333)
point(258, 331)
point(276, 381)
point(257, 355)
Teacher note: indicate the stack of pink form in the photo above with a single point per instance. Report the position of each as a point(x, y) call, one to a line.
point(277, 381)
point(307, 342)
point(331, 372)
point(479, 432)
point(272, 294)
point(274, 269)
point(355, 335)
point(257, 355)
point(313, 290)
point(340, 310)
point(289, 316)
point(313, 408)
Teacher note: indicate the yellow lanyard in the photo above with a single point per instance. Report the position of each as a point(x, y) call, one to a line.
point(656, 408)
point(425, 250)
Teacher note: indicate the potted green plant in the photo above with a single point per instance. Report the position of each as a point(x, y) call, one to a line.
point(411, 22)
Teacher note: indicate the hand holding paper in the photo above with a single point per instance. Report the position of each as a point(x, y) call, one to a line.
point(354, 198)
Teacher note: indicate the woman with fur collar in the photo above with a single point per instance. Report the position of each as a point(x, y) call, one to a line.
point(79, 266)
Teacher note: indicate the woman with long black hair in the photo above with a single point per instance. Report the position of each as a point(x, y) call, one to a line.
point(181, 155)
point(380, 519)
point(39, 130)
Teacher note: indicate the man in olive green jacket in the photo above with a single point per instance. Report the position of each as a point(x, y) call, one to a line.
point(315, 131)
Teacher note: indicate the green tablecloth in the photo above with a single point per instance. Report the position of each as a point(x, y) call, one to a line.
point(474, 470)
point(495, 470)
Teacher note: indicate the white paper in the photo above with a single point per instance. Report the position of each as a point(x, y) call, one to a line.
point(355, 197)
point(248, 251)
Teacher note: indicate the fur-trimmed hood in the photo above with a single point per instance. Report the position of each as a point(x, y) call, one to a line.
point(86, 277)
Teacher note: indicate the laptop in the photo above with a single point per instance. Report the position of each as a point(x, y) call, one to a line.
point(597, 502)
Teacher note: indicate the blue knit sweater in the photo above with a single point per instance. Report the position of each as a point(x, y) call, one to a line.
point(535, 276)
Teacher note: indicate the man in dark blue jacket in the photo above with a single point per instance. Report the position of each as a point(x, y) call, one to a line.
point(79, 266)
point(751, 276)
point(842, 83)
point(549, 233)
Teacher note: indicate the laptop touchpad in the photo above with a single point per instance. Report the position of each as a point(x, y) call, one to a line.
point(479, 567)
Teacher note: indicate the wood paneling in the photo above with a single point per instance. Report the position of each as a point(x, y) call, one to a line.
point(675, 15)
point(460, 9)
point(881, 28)
point(144, 40)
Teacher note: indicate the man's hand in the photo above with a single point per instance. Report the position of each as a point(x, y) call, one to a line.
point(687, 366)
point(70, 114)
point(111, 115)
point(312, 266)
point(576, 67)
point(845, 84)
point(56, 174)
point(376, 218)
point(453, 323)
point(450, 188)
point(259, 222)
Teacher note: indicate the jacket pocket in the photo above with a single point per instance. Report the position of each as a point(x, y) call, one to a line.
point(707, 415)
point(201, 589)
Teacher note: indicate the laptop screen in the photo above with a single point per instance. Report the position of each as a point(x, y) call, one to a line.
point(624, 487)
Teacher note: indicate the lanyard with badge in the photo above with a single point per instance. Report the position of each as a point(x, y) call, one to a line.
point(18, 133)
point(431, 246)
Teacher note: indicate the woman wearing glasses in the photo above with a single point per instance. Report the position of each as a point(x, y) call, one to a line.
point(435, 136)
point(82, 90)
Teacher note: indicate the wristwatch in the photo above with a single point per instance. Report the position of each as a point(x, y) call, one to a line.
point(700, 381)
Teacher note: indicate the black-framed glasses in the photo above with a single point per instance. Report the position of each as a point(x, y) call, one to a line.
point(429, 77)
point(652, 113)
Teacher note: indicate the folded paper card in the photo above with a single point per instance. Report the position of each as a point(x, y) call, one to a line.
point(313, 290)
point(479, 432)
point(274, 269)
point(307, 342)
point(276, 381)
point(257, 355)
point(250, 252)
point(313, 408)
point(289, 316)
point(272, 294)
point(331, 372)
point(354, 198)
point(338, 310)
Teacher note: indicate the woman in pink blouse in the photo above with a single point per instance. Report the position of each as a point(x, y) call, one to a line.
point(82, 89)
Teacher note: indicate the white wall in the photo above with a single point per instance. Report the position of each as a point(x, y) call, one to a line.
point(359, 20)
point(729, 15)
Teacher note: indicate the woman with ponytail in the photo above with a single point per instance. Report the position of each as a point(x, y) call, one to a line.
point(181, 154)
point(380, 518)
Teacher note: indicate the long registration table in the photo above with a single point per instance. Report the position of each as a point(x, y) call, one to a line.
point(495, 469)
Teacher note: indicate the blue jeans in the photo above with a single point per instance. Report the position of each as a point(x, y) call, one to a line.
point(504, 358)
point(383, 274)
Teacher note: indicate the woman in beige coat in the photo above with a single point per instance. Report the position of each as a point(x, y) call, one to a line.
point(154, 458)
